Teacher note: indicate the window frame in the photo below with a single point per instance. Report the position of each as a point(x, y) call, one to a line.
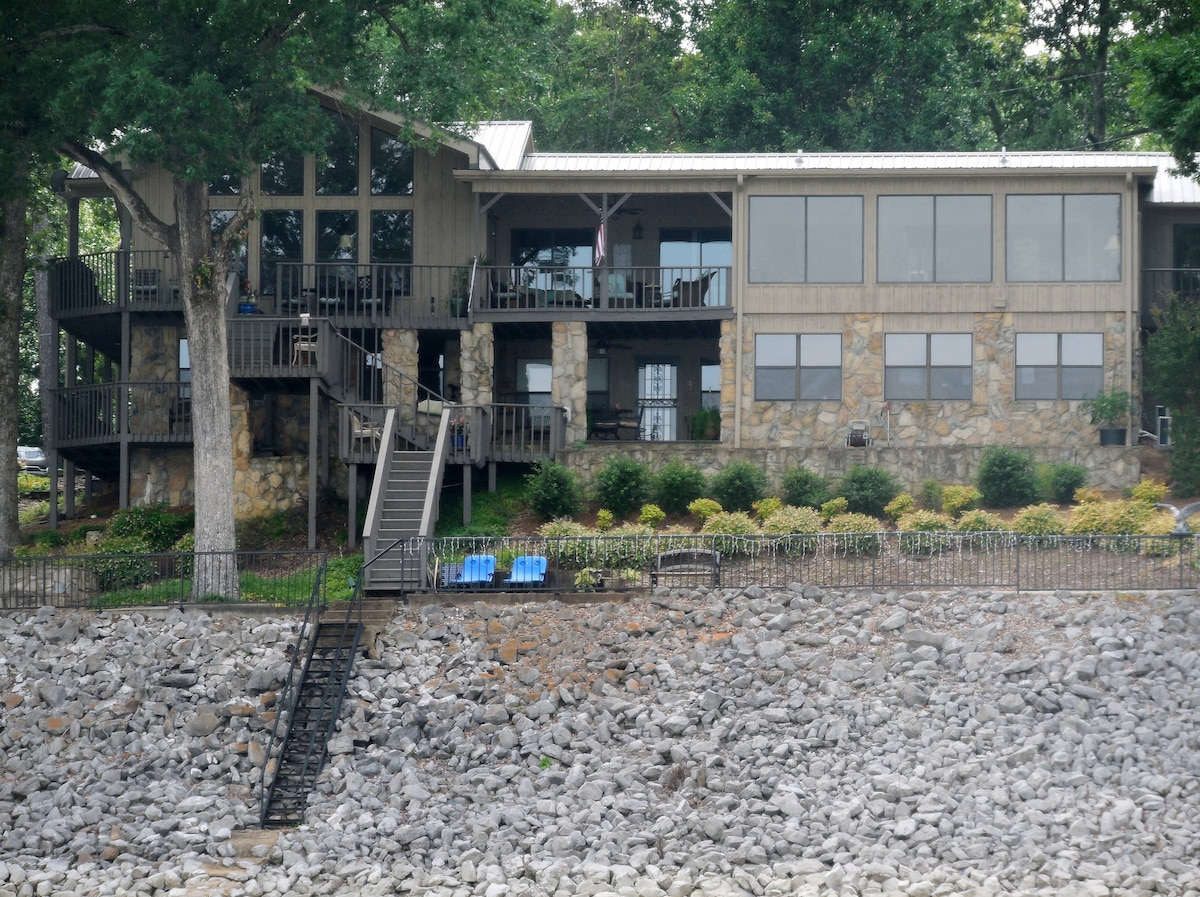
point(801, 387)
point(933, 389)
point(1058, 367)
point(1067, 221)
point(794, 240)
point(937, 236)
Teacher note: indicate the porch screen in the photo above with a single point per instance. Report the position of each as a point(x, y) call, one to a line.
point(1063, 238)
point(806, 239)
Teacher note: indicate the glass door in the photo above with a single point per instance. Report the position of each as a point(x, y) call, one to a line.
point(658, 399)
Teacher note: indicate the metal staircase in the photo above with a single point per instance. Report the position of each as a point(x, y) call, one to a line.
point(316, 704)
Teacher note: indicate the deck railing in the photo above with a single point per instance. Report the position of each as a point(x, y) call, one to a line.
point(114, 281)
point(1160, 286)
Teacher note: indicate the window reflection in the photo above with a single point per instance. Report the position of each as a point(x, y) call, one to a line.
point(337, 171)
point(391, 165)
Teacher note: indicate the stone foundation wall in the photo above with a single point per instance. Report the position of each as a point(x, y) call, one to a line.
point(261, 485)
point(991, 416)
point(1108, 467)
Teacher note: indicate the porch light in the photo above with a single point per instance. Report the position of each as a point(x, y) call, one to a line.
point(638, 232)
point(602, 348)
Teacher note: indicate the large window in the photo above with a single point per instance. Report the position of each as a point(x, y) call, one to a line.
point(1059, 365)
point(392, 249)
point(944, 239)
point(282, 241)
point(556, 261)
point(920, 366)
point(1063, 238)
point(807, 366)
point(391, 165)
point(283, 176)
point(687, 253)
point(337, 171)
point(806, 239)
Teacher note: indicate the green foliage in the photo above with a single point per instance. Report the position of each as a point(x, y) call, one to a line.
point(1039, 520)
point(1110, 408)
point(980, 521)
point(1117, 518)
point(833, 508)
point(738, 486)
point(919, 531)
point(1148, 490)
point(32, 482)
point(706, 424)
point(902, 504)
point(867, 490)
point(122, 562)
point(703, 508)
point(1058, 483)
point(1006, 477)
point(956, 499)
point(553, 491)
point(765, 507)
point(1173, 367)
point(604, 520)
point(929, 496)
point(652, 516)
point(728, 526)
point(157, 526)
point(677, 484)
point(621, 485)
point(801, 488)
point(857, 533)
point(1185, 453)
point(789, 520)
point(492, 513)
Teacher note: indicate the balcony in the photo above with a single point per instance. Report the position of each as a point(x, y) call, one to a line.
point(1161, 285)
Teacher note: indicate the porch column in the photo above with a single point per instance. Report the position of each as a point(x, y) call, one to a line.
point(477, 361)
point(568, 388)
point(400, 357)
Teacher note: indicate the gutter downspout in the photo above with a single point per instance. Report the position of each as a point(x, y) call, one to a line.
point(1133, 325)
point(739, 304)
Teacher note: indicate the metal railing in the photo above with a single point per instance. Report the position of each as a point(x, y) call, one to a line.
point(286, 579)
point(114, 281)
point(144, 411)
point(829, 560)
point(1161, 286)
point(528, 287)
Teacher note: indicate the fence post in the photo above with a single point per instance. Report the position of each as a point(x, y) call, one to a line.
point(1018, 552)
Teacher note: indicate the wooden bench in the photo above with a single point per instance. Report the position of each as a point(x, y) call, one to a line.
point(687, 566)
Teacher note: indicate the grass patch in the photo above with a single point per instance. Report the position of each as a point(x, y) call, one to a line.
point(492, 513)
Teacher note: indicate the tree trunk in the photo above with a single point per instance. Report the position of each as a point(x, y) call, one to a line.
point(12, 280)
point(202, 288)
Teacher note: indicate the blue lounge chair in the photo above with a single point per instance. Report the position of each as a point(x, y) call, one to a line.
point(477, 569)
point(528, 569)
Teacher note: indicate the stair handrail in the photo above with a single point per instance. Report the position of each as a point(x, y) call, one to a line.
point(286, 699)
point(363, 352)
point(433, 489)
point(383, 470)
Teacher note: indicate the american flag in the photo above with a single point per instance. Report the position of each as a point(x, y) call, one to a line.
point(601, 241)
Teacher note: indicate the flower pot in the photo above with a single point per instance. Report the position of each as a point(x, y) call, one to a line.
point(458, 306)
point(1112, 435)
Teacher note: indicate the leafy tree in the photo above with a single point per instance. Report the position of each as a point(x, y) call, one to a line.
point(1167, 85)
point(1173, 376)
point(211, 88)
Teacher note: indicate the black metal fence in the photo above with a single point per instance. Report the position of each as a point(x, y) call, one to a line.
point(270, 578)
point(830, 560)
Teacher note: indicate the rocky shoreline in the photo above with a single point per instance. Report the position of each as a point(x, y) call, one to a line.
point(754, 742)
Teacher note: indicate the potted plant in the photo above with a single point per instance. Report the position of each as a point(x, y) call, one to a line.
point(1110, 412)
point(706, 424)
point(458, 432)
point(460, 292)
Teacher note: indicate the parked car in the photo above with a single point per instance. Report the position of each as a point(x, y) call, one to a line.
point(31, 459)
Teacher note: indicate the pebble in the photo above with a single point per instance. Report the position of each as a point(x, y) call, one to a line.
point(687, 742)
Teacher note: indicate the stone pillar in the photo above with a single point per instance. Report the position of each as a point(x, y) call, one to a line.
point(729, 378)
point(477, 363)
point(401, 355)
point(568, 386)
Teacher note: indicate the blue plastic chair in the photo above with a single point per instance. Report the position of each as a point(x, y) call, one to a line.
point(477, 569)
point(528, 569)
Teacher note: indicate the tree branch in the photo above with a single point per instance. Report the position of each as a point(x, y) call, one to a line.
point(110, 176)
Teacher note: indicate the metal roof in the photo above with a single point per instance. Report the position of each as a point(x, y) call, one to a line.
point(551, 163)
point(1171, 188)
point(507, 142)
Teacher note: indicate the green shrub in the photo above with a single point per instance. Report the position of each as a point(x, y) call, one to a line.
point(652, 516)
point(677, 484)
point(566, 544)
point(129, 565)
point(703, 508)
point(604, 520)
point(919, 531)
point(765, 507)
point(801, 488)
point(1149, 491)
point(867, 490)
point(553, 491)
point(956, 499)
point(1039, 520)
point(157, 525)
point(855, 533)
point(622, 485)
point(1087, 494)
point(1059, 482)
point(32, 482)
point(739, 486)
point(833, 508)
point(728, 526)
point(980, 521)
point(929, 496)
point(1006, 477)
point(788, 521)
point(902, 504)
point(1185, 452)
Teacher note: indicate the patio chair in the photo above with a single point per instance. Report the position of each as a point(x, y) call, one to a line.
point(690, 293)
point(528, 569)
point(304, 346)
point(477, 570)
point(364, 431)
